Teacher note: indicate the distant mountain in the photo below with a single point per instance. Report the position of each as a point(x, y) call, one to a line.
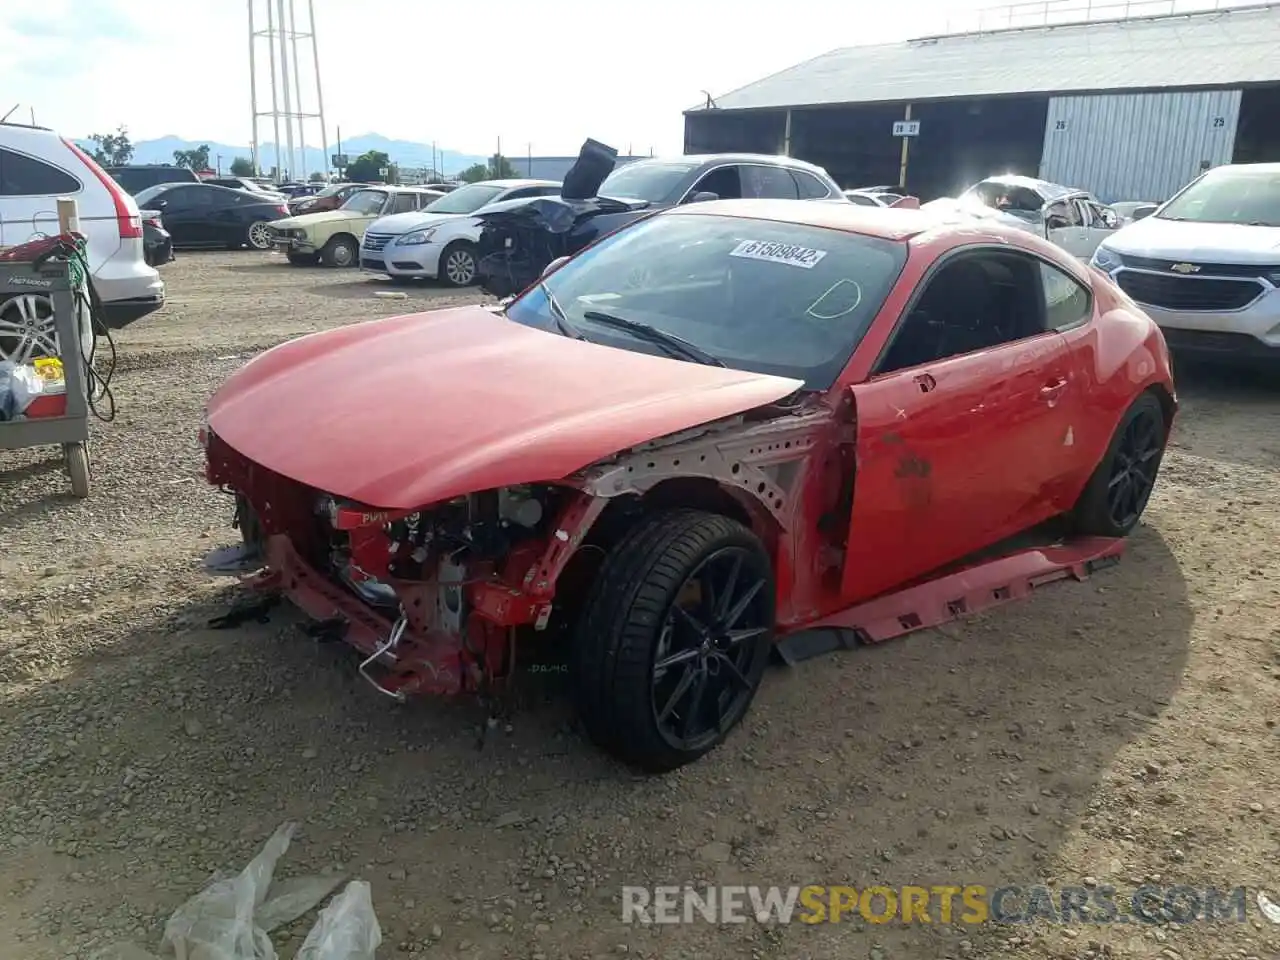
point(404, 153)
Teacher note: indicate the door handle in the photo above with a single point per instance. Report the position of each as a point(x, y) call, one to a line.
point(1053, 388)
point(925, 382)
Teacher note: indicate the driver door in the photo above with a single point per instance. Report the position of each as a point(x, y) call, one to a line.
point(960, 440)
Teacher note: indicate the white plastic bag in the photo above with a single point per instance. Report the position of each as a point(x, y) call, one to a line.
point(230, 919)
point(218, 922)
point(347, 929)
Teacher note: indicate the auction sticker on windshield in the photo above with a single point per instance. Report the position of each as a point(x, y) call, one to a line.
point(788, 253)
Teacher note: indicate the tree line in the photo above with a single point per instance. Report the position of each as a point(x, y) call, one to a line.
point(116, 150)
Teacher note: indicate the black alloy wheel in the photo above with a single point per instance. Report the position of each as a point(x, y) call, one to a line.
point(674, 637)
point(703, 659)
point(1133, 468)
point(1117, 493)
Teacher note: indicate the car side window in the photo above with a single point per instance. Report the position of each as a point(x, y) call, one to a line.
point(809, 187)
point(402, 203)
point(184, 198)
point(771, 183)
point(1066, 301)
point(974, 301)
point(1061, 215)
point(724, 182)
point(23, 176)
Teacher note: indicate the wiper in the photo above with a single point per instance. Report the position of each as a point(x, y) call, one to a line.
point(558, 314)
point(676, 346)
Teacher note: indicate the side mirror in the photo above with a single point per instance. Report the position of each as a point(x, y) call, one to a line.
point(702, 196)
point(1110, 219)
point(159, 204)
point(553, 266)
point(1141, 213)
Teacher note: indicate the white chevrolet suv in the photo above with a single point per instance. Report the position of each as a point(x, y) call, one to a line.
point(36, 168)
point(439, 241)
point(1206, 265)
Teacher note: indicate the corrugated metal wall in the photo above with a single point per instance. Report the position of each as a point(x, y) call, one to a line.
point(1138, 146)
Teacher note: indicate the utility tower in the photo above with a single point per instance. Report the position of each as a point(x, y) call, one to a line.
point(273, 36)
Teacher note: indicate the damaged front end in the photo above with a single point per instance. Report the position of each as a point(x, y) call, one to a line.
point(520, 238)
point(432, 598)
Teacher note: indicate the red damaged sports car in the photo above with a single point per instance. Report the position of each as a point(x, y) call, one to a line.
point(719, 428)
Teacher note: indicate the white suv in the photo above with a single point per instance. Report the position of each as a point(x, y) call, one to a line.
point(36, 168)
point(1206, 265)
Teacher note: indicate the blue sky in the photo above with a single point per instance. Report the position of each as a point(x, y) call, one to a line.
point(545, 73)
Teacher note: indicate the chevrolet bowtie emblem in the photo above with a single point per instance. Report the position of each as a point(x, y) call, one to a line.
point(1185, 268)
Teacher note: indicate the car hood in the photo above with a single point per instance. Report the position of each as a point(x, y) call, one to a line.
point(1162, 239)
point(315, 219)
point(412, 410)
point(399, 223)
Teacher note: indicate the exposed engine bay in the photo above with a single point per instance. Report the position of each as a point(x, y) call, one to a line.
point(439, 545)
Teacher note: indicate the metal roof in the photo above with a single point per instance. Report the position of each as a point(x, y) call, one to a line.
point(1221, 48)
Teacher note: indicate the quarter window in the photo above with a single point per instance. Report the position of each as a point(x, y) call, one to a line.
point(23, 176)
point(809, 186)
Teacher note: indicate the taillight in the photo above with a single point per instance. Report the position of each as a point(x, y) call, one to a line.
point(153, 222)
point(129, 224)
point(282, 209)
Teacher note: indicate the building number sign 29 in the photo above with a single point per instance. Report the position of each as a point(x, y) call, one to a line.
point(1219, 122)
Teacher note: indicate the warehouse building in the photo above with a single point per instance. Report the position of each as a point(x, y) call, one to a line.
point(1130, 109)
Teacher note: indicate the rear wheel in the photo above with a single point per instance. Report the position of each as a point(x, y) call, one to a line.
point(1116, 495)
point(27, 329)
point(674, 638)
point(341, 251)
point(259, 235)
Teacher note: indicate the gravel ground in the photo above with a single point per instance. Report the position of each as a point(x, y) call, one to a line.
point(1121, 730)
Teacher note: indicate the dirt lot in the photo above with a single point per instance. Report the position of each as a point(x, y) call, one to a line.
point(1121, 730)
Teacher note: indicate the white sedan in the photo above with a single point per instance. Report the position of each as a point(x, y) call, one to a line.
point(439, 241)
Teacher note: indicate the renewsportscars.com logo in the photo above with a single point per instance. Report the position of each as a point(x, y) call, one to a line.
point(969, 904)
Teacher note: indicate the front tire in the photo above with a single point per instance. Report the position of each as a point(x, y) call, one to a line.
point(340, 252)
point(674, 638)
point(458, 265)
point(1116, 495)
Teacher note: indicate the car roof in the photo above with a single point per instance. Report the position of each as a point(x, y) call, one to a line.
point(704, 159)
point(887, 223)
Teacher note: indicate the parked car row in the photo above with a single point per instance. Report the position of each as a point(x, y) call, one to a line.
point(332, 237)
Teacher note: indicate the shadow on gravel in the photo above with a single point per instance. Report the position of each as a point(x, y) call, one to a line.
point(961, 755)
